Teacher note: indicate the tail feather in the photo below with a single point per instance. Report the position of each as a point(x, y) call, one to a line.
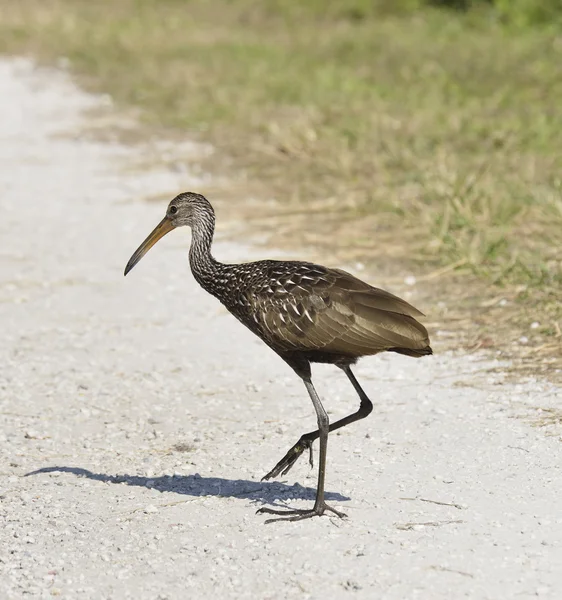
point(415, 353)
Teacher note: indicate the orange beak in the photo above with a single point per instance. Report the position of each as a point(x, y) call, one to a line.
point(164, 227)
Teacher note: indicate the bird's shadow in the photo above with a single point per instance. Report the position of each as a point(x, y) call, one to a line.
point(263, 492)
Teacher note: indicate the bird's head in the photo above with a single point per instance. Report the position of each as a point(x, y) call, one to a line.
point(187, 208)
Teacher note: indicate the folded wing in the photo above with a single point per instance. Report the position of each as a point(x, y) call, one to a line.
point(339, 314)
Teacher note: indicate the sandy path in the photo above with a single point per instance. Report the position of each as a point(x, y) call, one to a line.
point(153, 414)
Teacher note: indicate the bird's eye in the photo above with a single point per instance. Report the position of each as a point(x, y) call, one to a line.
point(173, 210)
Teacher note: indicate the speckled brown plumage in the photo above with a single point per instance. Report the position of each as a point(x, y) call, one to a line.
point(305, 312)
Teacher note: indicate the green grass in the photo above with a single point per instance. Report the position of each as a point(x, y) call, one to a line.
point(437, 132)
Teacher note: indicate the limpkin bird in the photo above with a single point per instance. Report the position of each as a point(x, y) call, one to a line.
point(306, 313)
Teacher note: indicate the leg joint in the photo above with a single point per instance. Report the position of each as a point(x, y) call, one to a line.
point(365, 408)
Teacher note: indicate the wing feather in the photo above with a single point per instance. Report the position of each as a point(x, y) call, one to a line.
point(335, 312)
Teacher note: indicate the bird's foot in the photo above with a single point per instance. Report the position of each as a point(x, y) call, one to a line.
point(298, 514)
point(287, 462)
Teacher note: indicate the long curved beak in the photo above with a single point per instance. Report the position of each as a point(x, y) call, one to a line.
point(164, 227)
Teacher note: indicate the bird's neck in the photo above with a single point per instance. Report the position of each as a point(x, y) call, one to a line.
point(203, 265)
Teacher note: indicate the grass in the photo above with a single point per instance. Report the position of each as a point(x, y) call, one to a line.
point(430, 136)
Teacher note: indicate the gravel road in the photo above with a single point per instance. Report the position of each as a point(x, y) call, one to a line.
point(137, 416)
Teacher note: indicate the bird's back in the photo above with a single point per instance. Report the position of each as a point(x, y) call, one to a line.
point(328, 315)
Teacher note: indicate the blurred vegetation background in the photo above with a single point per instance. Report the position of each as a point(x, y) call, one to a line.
point(425, 131)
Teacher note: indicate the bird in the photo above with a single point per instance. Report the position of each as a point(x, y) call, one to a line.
point(306, 313)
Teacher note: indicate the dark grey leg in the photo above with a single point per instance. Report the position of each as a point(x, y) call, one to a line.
point(305, 442)
point(320, 505)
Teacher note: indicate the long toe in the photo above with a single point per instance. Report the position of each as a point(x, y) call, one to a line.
point(299, 514)
point(287, 462)
point(283, 466)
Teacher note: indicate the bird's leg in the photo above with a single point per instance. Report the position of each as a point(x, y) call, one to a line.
point(320, 506)
point(305, 442)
